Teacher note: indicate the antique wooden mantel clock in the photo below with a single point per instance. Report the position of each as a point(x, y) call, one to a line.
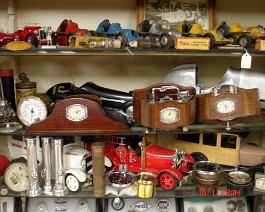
point(164, 106)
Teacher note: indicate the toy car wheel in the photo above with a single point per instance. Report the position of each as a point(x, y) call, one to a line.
point(72, 183)
point(244, 40)
point(167, 181)
point(198, 156)
point(31, 40)
point(212, 40)
point(232, 38)
point(124, 40)
point(223, 29)
point(165, 40)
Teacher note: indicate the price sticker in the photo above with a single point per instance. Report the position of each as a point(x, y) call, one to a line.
point(246, 60)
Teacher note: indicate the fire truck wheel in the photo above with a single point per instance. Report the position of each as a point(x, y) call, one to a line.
point(167, 181)
point(198, 156)
point(72, 183)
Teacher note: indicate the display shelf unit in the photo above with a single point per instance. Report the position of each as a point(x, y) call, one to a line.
point(19, 59)
point(65, 51)
point(254, 124)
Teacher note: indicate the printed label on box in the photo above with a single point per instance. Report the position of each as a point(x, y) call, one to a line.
point(192, 43)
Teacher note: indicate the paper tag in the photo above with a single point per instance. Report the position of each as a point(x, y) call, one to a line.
point(246, 60)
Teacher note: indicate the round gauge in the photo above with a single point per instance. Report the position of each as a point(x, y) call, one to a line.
point(117, 203)
point(31, 109)
point(76, 112)
point(225, 106)
point(260, 183)
point(169, 115)
point(16, 177)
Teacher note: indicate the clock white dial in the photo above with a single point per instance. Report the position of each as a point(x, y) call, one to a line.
point(76, 112)
point(169, 115)
point(225, 106)
point(260, 183)
point(31, 109)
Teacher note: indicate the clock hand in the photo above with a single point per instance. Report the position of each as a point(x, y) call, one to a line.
point(31, 113)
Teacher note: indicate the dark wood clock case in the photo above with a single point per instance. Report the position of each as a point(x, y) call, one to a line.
point(149, 101)
point(247, 103)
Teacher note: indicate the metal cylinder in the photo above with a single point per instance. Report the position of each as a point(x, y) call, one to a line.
point(47, 166)
point(7, 86)
point(98, 160)
point(59, 184)
point(32, 163)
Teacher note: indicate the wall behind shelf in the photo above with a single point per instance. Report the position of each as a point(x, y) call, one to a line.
point(122, 72)
point(245, 12)
point(88, 14)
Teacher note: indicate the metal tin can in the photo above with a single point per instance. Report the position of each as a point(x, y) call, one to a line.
point(25, 87)
point(146, 184)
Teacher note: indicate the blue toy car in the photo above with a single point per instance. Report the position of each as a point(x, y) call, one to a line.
point(114, 31)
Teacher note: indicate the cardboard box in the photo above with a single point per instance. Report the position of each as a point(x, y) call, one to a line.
point(260, 44)
point(193, 43)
